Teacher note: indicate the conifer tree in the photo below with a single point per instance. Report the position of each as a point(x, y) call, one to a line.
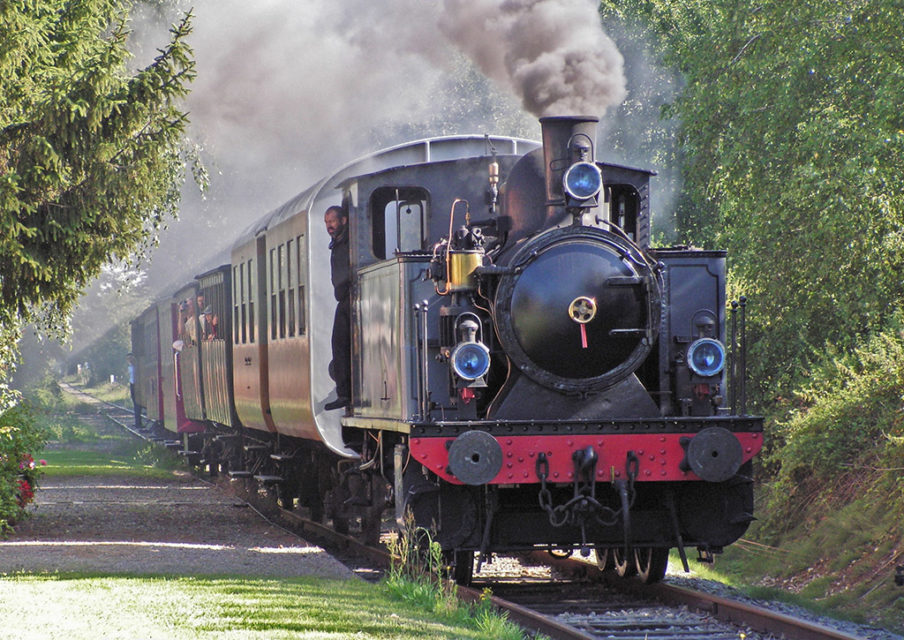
point(91, 154)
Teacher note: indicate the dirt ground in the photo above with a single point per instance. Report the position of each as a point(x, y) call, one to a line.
point(178, 525)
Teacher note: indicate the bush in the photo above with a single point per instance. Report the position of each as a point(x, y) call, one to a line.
point(848, 428)
point(20, 438)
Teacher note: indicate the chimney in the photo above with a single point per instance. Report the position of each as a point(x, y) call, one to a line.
point(566, 140)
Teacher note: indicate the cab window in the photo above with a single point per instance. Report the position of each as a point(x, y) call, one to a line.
point(399, 220)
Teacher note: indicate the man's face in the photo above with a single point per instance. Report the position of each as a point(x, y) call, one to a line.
point(334, 224)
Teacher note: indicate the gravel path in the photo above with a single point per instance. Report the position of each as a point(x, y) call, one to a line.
point(177, 525)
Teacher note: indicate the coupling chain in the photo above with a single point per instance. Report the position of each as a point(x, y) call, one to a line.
point(577, 509)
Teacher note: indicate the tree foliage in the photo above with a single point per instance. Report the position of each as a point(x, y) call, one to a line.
point(91, 154)
point(792, 137)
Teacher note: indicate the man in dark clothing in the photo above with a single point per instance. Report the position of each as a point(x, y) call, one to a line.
point(136, 409)
point(336, 221)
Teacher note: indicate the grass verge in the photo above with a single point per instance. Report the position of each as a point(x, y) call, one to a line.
point(175, 608)
point(853, 582)
point(78, 607)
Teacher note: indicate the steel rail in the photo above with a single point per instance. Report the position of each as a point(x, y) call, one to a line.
point(755, 617)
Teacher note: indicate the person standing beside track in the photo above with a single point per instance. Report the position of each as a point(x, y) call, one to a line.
point(136, 409)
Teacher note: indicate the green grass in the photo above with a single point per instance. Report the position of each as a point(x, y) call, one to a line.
point(116, 392)
point(842, 567)
point(90, 607)
point(75, 607)
point(136, 461)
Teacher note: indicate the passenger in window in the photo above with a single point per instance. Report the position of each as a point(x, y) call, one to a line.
point(204, 321)
point(203, 318)
point(183, 321)
point(336, 221)
point(190, 333)
point(210, 324)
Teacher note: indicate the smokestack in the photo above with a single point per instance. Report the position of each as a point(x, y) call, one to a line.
point(566, 140)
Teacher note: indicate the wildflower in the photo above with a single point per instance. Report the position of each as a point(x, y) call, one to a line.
point(26, 494)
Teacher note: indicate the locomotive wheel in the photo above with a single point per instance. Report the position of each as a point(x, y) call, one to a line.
point(311, 498)
point(651, 563)
point(624, 563)
point(372, 516)
point(334, 509)
point(285, 497)
point(462, 566)
point(605, 559)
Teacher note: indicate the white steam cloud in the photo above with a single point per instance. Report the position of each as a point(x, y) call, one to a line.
point(293, 87)
point(287, 91)
point(296, 88)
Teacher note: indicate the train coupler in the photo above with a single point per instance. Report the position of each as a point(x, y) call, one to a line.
point(583, 507)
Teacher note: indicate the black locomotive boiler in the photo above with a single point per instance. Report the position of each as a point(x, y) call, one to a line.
point(527, 371)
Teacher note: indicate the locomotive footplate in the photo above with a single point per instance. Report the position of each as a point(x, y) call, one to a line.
point(667, 449)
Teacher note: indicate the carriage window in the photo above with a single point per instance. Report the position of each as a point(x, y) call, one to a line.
point(301, 262)
point(272, 290)
point(251, 327)
point(213, 294)
point(281, 287)
point(624, 204)
point(290, 291)
point(236, 304)
point(399, 219)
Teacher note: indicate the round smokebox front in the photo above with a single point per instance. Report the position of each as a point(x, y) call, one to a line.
point(575, 314)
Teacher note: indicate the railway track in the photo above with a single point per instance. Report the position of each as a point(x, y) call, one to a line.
point(572, 600)
point(605, 606)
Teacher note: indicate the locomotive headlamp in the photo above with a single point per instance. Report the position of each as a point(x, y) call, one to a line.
point(471, 360)
point(583, 180)
point(706, 357)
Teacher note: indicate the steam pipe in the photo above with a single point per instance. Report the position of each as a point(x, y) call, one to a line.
point(424, 364)
point(419, 345)
point(733, 359)
point(743, 304)
point(448, 257)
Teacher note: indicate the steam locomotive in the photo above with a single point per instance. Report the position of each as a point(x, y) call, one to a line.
point(527, 371)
